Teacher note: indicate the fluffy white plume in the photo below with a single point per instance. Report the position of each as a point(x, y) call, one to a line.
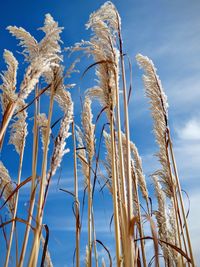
point(162, 220)
point(139, 171)
point(19, 128)
point(159, 106)
point(59, 147)
point(49, 45)
point(43, 56)
point(88, 127)
point(9, 80)
point(82, 155)
point(102, 46)
point(27, 41)
point(6, 187)
point(108, 162)
point(33, 73)
point(42, 123)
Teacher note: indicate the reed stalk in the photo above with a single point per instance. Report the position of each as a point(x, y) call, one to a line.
point(123, 207)
point(128, 157)
point(89, 217)
point(33, 182)
point(76, 200)
point(94, 240)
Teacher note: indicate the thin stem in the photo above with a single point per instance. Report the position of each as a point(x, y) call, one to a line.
point(76, 200)
point(89, 217)
point(121, 160)
point(16, 245)
point(94, 239)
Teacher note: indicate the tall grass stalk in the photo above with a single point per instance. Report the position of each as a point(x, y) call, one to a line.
point(94, 240)
point(77, 212)
point(33, 181)
point(128, 159)
point(36, 243)
point(89, 217)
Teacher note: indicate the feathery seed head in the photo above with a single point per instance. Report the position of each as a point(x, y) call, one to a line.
point(60, 143)
point(159, 109)
point(42, 123)
point(19, 128)
point(82, 155)
point(27, 41)
point(9, 78)
point(88, 127)
point(6, 187)
point(102, 46)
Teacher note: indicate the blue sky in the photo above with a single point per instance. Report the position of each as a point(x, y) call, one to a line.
point(166, 31)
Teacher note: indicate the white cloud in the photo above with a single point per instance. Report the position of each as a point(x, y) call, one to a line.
point(190, 131)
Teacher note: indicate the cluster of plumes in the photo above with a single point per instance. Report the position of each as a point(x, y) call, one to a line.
point(159, 105)
point(136, 164)
point(102, 46)
point(86, 139)
point(42, 122)
point(6, 188)
point(9, 95)
point(43, 56)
